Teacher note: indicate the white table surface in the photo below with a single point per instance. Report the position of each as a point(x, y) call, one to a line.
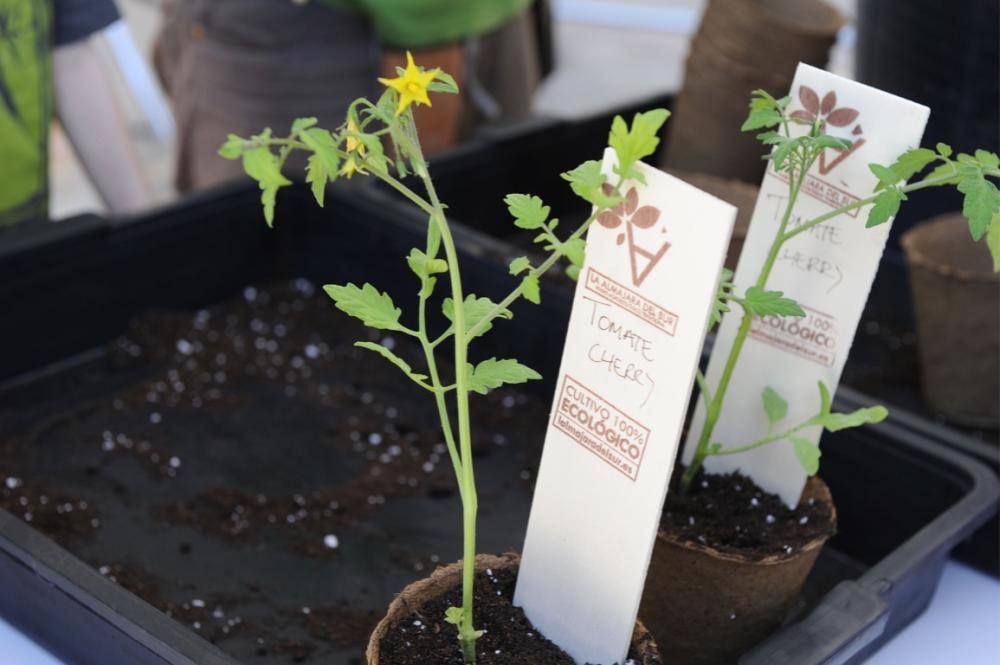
point(961, 627)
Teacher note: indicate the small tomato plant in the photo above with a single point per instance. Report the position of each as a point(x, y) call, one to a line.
point(798, 138)
point(357, 147)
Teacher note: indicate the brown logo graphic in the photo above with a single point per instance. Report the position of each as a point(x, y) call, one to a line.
point(600, 427)
point(630, 214)
point(827, 112)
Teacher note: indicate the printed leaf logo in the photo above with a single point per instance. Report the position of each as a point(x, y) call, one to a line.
point(630, 214)
point(826, 111)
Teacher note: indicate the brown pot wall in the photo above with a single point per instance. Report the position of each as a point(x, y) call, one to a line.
point(446, 578)
point(741, 45)
point(956, 303)
point(706, 607)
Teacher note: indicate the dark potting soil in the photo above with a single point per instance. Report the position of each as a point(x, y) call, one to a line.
point(248, 471)
point(509, 638)
point(731, 513)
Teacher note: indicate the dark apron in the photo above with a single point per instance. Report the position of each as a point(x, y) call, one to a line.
point(25, 109)
point(238, 66)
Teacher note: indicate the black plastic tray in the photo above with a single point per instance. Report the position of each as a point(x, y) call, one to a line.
point(904, 502)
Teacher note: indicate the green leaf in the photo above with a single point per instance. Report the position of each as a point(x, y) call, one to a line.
point(444, 82)
point(476, 309)
point(761, 118)
point(575, 251)
point(532, 289)
point(587, 181)
point(993, 242)
point(808, 454)
point(944, 150)
point(269, 200)
point(784, 150)
point(317, 175)
point(772, 138)
point(324, 147)
point(775, 406)
point(233, 147)
point(453, 615)
point(494, 373)
point(946, 170)
point(825, 400)
point(376, 153)
point(722, 297)
point(375, 309)
point(261, 165)
point(573, 272)
point(884, 174)
point(832, 142)
point(393, 358)
point(300, 125)
point(912, 162)
point(519, 265)
point(632, 144)
point(987, 158)
point(760, 302)
point(885, 207)
point(528, 211)
point(982, 202)
point(834, 422)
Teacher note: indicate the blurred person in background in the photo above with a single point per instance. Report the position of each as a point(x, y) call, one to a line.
point(50, 63)
point(238, 66)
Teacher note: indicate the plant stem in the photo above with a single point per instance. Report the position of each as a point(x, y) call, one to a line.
point(714, 409)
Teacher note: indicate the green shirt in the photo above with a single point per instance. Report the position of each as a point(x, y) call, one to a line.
point(421, 23)
point(25, 109)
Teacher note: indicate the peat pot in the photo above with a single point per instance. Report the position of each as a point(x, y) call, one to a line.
point(956, 301)
point(449, 579)
point(708, 607)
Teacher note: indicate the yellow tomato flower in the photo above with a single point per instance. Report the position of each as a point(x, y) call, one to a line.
point(351, 167)
point(412, 85)
point(353, 142)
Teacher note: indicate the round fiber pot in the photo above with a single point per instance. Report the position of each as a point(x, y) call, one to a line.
point(733, 192)
point(449, 578)
point(956, 304)
point(708, 607)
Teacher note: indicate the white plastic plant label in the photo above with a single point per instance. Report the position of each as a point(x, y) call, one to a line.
point(828, 270)
point(639, 319)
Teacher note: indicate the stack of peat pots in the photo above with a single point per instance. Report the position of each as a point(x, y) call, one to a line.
point(742, 45)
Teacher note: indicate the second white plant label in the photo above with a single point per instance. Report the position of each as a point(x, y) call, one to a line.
point(640, 314)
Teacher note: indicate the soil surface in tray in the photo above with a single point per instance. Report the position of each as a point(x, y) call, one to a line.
point(251, 473)
point(509, 638)
point(731, 513)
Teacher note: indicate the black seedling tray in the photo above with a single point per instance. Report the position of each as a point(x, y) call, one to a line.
point(527, 158)
point(904, 502)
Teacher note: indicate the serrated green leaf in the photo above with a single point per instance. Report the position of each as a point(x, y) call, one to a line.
point(529, 212)
point(300, 125)
point(885, 207)
point(476, 309)
point(374, 308)
point(772, 138)
point(444, 82)
point(531, 289)
point(807, 453)
point(261, 165)
point(233, 147)
point(944, 150)
point(587, 181)
point(946, 170)
point(982, 202)
point(317, 176)
point(761, 302)
point(376, 152)
point(324, 146)
point(884, 174)
point(519, 265)
point(987, 158)
point(784, 150)
point(993, 241)
point(775, 406)
point(494, 373)
point(269, 200)
point(912, 162)
point(761, 118)
point(393, 358)
point(834, 422)
point(824, 141)
point(634, 143)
